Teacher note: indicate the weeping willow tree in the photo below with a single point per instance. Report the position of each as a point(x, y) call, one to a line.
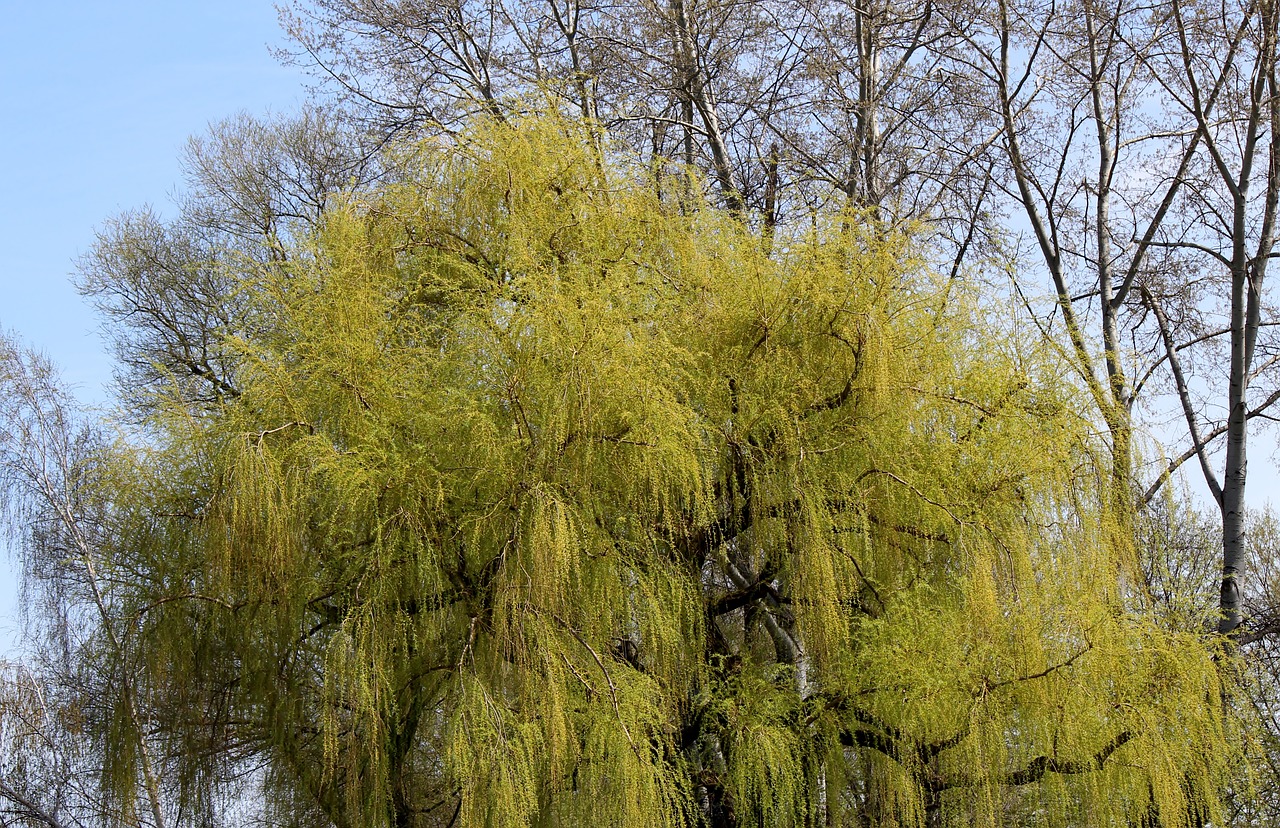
point(545, 503)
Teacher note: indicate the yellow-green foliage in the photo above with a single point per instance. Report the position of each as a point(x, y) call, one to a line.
point(551, 504)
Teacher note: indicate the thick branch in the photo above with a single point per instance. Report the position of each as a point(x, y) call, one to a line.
point(1039, 766)
point(27, 808)
point(1174, 464)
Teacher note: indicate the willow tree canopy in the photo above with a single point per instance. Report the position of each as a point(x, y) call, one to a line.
point(550, 497)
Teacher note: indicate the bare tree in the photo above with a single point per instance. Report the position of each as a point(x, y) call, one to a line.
point(53, 488)
point(886, 113)
point(782, 105)
point(1070, 88)
point(163, 286)
point(42, 773)
point(1137, 149)
point(1220, 74)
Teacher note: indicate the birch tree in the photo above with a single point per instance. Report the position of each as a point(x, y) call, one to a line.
point(51, 486)
point(1229, 94)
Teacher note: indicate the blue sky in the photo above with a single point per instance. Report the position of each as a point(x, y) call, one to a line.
point(98, 100)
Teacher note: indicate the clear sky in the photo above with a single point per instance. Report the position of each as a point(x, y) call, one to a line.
point(96, 102)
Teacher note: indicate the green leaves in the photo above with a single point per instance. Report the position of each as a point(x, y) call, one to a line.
point(552, 502)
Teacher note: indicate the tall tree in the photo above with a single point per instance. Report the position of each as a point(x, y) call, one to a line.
point(1069, 83)
point(1137, 150)
point(1230, 95)
point(543, 502)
